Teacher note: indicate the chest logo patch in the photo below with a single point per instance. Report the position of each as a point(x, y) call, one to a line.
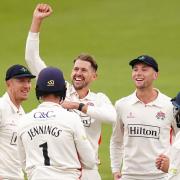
point(160, 115)
point(145, 131)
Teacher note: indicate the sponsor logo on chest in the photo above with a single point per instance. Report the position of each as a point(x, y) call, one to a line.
point(145, 131)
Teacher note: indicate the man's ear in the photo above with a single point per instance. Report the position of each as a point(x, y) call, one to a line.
point(95, 76)
point(156, 75)
point(8, 82)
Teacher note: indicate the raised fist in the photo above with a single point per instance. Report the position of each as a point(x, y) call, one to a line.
point(42, 10)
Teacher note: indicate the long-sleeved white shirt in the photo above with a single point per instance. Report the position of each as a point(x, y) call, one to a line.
point(52, 143)
point(100, 108)
point(141, 133)
point(10, 167)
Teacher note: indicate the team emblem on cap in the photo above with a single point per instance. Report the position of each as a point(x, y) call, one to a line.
point(50, 83)
point(23, 69)
point(141, 57)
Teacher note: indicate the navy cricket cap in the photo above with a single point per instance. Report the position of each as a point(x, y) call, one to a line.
point(18, 71)
point(50, 80)
point(146, 60)
point(176, 101)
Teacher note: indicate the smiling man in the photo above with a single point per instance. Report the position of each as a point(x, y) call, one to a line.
point(18, 82)
point(142, 130)
point(93, 108)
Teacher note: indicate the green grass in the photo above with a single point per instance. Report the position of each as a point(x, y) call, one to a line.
point(113, 31)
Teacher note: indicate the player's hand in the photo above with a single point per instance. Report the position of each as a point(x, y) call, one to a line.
point(42, 10)
point(117, 175)
point(162, 163)
point(74, 105)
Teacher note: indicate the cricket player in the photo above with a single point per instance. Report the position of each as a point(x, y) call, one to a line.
point(93, 108)
point(171, 162)
point(142, 130)
point(18, 83)
point(52, 142)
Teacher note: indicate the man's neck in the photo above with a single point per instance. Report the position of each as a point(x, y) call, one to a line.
point(147, 95)
point(82, 93)
point(51, 98)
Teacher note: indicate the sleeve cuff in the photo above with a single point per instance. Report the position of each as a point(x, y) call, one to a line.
point(115, 170)
point(33, 35)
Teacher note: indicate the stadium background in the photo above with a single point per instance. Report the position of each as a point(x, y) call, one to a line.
point(113, 31)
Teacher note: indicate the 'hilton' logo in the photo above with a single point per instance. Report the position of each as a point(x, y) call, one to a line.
point(146, 131)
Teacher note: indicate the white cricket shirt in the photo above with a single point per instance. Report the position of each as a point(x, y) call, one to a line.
point(52, 143)
point(9, 118)
point(100, 108)
point(174, 167)
point(141, 133)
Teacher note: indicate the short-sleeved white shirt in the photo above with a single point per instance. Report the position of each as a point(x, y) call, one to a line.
point(142, 132)
point(9, 118)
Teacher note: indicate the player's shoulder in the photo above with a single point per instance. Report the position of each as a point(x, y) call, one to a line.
point(164, 96)
point(3, 100)
point(98, 97)
point(124, 100)
point(69, 116)
point(69, 119)
point(1, 103)
point(164, 99)
point(5, 104)
point(23, 124)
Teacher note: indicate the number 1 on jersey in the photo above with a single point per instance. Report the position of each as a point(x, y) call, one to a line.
point(44, 147)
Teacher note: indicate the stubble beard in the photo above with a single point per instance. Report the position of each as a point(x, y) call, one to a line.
point(79, 87)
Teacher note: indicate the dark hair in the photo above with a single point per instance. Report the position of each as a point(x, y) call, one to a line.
point(88, 58)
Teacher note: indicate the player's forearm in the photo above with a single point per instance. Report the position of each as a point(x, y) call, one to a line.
point(86, 152)
point(104, 113)
point(35, 25)
point(116, 156)
point(41, 11)
point(116, 147)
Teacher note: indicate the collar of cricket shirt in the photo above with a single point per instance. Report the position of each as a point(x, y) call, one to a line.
point(49, 104)
point(15, 109)
point(156, 102)
point(72, 91)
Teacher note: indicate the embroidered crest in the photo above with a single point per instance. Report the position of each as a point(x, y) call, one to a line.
point(160, 115)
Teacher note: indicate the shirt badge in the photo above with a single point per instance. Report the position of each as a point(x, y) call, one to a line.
point(130, 115)
point(160, 115)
